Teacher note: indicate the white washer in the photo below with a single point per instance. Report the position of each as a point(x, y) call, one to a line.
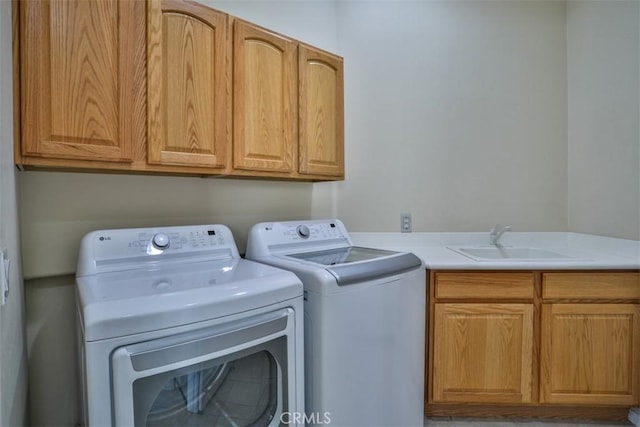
point(175, 328)
point(364, 323)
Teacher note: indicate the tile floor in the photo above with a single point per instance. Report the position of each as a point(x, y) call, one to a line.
point(458, 422)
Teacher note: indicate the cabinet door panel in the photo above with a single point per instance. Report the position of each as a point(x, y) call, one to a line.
point(187, 84)
point(78, 82)
point(321, 113)
point(483, 353)
point(265, 103)
point(590, 354)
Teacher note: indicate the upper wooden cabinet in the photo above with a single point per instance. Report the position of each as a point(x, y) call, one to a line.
point(187, 98)
point(288, 105)
point(171, 87)
point(265, 100)
point(78, 87)
point(321, 112)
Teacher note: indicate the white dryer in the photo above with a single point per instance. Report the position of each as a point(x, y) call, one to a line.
point(364, 323)
point(176, 329)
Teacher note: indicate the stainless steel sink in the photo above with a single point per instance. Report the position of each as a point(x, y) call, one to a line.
point(510, 253)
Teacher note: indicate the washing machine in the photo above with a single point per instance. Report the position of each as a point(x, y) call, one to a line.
point(174, 328)
point(364, 323)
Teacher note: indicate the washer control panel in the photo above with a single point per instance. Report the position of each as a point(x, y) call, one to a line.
point(111, 247)
point(269, 237)
point(285, 232)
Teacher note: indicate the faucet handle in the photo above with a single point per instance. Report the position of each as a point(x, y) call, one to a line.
point(499, 228)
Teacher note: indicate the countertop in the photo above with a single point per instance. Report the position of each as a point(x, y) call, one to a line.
point(587, 252)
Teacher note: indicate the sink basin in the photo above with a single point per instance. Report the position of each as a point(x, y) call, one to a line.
point(510, 253)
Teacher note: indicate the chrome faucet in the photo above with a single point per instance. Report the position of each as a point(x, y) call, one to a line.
point(496, 232)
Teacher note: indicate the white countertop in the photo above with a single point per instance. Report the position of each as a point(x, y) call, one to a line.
point(588, 252)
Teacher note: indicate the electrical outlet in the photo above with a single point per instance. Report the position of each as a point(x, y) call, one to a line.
point(405, 223)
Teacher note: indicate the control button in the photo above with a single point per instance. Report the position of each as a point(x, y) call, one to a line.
point(160, 241)
point(303, 231)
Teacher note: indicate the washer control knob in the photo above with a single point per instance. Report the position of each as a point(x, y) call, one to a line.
point(303, 231)
point(160, 241)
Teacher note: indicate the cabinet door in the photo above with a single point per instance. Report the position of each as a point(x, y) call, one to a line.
point(483, 353)
point(590, 354)
point(78, 79)
point(265, 100)
point(321, 93)
point(187, 84)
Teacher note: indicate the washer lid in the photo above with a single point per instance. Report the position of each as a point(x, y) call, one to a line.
point(342, 255)
point(354, 264)
point(123, 303)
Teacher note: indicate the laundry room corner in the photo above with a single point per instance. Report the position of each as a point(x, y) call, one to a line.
point(50, 323)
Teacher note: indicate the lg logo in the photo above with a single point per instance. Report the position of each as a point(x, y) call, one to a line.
point(103, 238)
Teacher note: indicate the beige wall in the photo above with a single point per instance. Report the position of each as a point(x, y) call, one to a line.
point(57, 209)
point(603, 40)
point(456, 113)
point(13, 353)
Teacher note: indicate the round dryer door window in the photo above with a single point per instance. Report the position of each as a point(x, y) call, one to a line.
point(242, 392)
point(229, 375)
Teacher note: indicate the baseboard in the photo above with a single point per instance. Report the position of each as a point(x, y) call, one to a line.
point(634, 416)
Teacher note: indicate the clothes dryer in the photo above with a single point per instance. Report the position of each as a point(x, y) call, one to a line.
point(176, 329)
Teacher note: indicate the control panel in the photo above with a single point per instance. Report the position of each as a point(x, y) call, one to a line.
point(154, 240)
point(293, 232)
point(148, 244)
point(270, 237)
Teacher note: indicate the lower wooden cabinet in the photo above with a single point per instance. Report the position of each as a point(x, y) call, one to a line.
point(483, 353)
point(590, 354)
point(563, 344)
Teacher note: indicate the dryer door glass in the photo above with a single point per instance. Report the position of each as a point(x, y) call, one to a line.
point(236, 374)
point(240, 392)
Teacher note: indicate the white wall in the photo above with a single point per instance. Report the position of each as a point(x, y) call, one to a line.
point(13, 359)
point(603, 40)
point(455, 112)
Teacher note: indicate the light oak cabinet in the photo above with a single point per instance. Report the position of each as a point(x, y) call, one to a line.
point(590, 342)
point(482, 351)
point(265, 100)
point(187, 97)
point(78, 89)
point(169, 87)
point(288, 105)
point(321, 112)
point(533, 343)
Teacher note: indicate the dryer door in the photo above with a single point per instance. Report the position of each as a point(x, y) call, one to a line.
point(232, 374)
